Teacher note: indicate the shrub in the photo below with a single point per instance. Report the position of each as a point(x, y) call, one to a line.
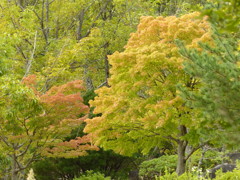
point(151, 168)
point(90, 175)
point(234, 175)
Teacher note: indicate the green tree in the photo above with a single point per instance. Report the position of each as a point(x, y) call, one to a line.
point(224, 14)
point(47, 37)
point(217, 99)
point(173, 7)
point(65, 40)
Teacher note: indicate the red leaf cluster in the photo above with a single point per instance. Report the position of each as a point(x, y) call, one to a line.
point(63, 105)
point(73, 148)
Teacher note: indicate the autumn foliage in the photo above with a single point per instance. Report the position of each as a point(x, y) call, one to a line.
point(116, 77)
point(64, 111)
point(35, 124)
point(142, 107)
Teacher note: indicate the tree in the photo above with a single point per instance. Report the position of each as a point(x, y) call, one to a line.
point(142, 108)
point(33, 123)
point(47, 37)
point(172, 7)
point(219, 11)
point(216, 68)
point(50, 38)
point(217, 99)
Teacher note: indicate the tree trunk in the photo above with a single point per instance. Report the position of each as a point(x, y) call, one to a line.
point(89, 83)
point(181, 164)
point(21, 3)
point(80, 24)
point(107, 73)
point(88, 79)
point(14, 167)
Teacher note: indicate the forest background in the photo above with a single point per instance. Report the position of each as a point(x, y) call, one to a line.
point(123, 88)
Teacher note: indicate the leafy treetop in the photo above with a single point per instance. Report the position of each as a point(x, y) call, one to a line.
point(142, 107)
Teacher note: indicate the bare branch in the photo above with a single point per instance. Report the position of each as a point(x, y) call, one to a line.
point(29, 64)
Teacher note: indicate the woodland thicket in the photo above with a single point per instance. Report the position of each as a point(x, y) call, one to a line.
point(118, 89)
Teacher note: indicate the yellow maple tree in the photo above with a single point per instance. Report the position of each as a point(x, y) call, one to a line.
point(142, 108)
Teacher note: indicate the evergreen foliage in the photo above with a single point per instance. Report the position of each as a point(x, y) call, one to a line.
point(216, 68)
point(224, 14)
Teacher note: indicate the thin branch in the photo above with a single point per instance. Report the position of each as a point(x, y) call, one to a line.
point(103, 84)
point(32, 56)
point(26, 149)
point(171, 138)
point(195, 149)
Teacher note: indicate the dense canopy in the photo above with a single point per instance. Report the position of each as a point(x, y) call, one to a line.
point(104, 89)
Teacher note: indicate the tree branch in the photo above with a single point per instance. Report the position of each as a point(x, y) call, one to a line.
point(29, 64)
